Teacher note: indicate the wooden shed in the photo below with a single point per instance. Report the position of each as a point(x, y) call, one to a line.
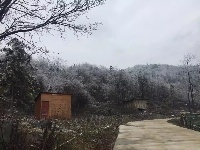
point(140, 104)
point(53, 105)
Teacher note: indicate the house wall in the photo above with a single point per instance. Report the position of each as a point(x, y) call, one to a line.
point(59, 105)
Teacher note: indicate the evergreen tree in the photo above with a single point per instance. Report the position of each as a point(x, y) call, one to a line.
point(17, 83)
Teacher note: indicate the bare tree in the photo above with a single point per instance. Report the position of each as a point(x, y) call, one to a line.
point(24, 18)
point(190, 70)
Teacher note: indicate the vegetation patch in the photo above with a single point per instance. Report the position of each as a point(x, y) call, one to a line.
point(89, 133)
point(190, 121)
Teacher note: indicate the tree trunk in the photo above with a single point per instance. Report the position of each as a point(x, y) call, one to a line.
point(189, 89)
point(192, 99)
point(12, 101)
point(189, 105)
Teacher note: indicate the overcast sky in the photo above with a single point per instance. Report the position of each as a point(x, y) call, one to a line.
point(134, 32)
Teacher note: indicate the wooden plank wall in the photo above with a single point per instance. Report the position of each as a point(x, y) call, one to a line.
point(137, 104)
point(59, 105)
point(38, 107)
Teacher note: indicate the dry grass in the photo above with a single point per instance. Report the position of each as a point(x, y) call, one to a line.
point(88, 133)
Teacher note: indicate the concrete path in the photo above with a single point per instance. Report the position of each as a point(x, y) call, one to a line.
point(156, 134)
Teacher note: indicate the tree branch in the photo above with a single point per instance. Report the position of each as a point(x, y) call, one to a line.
point(21, 16)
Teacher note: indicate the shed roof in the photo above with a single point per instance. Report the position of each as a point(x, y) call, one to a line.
point(51, 93)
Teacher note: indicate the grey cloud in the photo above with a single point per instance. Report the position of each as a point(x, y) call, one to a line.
point(135, 32)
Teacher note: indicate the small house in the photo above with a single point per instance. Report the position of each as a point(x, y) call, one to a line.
point(140, 104)
point(53, 105)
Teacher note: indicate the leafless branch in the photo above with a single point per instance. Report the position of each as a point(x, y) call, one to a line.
point(32, 16)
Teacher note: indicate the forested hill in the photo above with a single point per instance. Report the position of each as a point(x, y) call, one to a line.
point(98, 85)
point(22, 78)
point(168, 74)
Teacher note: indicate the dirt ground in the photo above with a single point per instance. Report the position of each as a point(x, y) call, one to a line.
point(156, 134)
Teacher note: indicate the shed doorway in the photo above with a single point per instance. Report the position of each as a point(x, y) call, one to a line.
point(45, 109)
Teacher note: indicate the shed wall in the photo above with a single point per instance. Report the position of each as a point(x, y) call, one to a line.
point(59, 105)
point(138, 104)
point(38, 108)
